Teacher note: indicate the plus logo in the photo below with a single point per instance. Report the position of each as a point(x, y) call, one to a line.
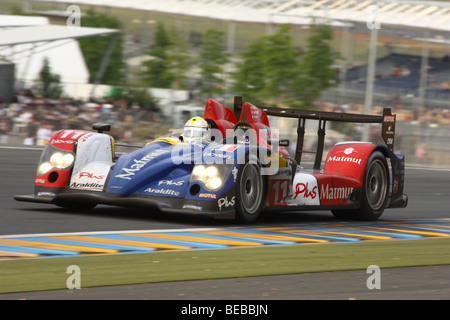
point(302, 189)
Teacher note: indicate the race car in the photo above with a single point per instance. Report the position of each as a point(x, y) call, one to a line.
point(239, 170)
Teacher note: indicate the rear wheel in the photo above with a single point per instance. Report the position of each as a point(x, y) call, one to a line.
point(374, 191)
point(250, 193)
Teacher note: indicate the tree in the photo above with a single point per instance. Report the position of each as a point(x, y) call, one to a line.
point(212, 58)
point(169, 60)
point(249, 76)
point(49, 84)
point(280, 61)
point(179, 59)
point(273, 69)
point(316, 72)
point(158, 73)
point(138, 96)
point(268, 67)
point(94, 48)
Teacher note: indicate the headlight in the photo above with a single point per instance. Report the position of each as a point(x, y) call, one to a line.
point(211, 171)
point(214, 183)
point(198, 171)
point(44, 168)
point(58, 160)
point(212, 177)
point(61, 161)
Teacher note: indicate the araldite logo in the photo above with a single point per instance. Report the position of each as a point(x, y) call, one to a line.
point(167, 192)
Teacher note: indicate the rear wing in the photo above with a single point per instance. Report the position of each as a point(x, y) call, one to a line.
point(387, 119)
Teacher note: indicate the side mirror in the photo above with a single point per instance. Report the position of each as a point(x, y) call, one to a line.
point(281, 142)
point(284, 142)
point(101, 127)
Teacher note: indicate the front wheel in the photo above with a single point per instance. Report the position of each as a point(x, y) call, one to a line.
point(374, 191)
point(250, 193)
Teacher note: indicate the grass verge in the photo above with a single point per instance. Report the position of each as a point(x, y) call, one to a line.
point(105, 270)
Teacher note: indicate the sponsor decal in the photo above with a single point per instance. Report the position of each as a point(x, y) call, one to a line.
point(138, 164)
point(39, 180)
point(53, 141)
point(217, 155)
point(280, 190)
point(389, 119)
point(349, 151)
point(167, 192)
point(85, 137)
point(228, 148)
point(334, 193)
point(223, 202)
point(344, 159)
point(303, 190)
point(234, 172)
point(86, 185)
point(45, 194)
point(208, 195)
point(171, 183)
point(389, 130)
point(190, 206)
point(395, 185)
point(90, 175)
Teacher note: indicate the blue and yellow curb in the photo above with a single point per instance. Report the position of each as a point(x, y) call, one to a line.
point(94, 243)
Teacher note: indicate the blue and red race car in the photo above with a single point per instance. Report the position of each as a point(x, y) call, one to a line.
point(243, 169)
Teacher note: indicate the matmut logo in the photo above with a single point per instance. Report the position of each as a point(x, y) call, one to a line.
point(344, 159)
point(330, 193)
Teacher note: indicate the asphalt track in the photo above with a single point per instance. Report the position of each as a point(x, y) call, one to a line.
point(428, 191)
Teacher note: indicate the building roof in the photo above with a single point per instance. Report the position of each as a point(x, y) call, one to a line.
point(46, 33)
point(21, 21)
point(431, 15)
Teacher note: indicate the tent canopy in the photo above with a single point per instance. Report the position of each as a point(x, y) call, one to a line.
point(46, 33)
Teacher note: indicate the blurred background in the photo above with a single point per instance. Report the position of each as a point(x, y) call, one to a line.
point(148, 66)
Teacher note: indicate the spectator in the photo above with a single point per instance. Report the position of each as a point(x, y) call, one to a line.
point(43, 134)
point(29, 140)
point(4, 131)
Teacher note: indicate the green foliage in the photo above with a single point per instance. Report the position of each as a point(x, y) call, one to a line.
point(279, 61)
point(315, 68)
point(268, 67)
point(179, 59)
point(169, 60)
point(273, 69)
point(249, 78)
point(212, 58)
point(94, 48)
point(138, 96)
point(48, 84)
point(158, 73)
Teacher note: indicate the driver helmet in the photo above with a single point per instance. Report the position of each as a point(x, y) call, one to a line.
point(196, 129)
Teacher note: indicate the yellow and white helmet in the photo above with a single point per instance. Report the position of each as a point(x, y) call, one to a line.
point(196, 129)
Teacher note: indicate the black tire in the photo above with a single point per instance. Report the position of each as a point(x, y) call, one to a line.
point(374, 193)
point(250, 192)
